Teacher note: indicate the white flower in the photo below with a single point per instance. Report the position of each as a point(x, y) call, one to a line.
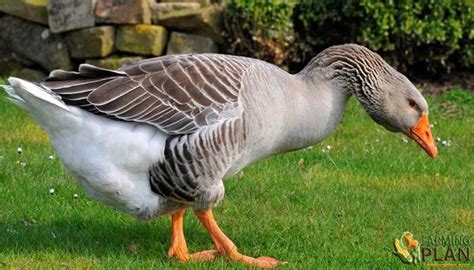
point(438, 139)
point(19, 150)
point(405, 140)
point(432, 126)
point(446, 143)
point(75, 196)
point(51, 157)
point(328, 147)
point(22, 164)
point(51, 191)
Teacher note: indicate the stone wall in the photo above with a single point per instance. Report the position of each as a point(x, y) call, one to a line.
point(38, 36)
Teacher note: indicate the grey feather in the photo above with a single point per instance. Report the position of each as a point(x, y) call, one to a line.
point(183, 86)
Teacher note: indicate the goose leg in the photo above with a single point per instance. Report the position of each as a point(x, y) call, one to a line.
point(225, 247)
point(179, 248)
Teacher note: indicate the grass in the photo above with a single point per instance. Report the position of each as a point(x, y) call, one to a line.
point(342, 209)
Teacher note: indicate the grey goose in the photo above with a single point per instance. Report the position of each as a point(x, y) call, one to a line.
point(160, 135)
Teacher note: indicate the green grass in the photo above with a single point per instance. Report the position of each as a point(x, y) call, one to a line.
point(343, 209)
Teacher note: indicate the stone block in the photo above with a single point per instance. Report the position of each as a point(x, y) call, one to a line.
point(123, 11)
point(141, 39)
point(34, 42)
point(91, 42)
point(205, 21)
point(9, 66)
point(160, 9)
point(30, 74)
point(65, 15)
point(188, 43)
point(8, 56)
point(202, 3)
point(32, 10)
point(114, 62)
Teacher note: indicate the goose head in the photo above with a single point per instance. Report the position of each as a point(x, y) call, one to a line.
point(388, 96)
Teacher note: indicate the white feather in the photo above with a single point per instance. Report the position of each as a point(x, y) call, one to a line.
point(109, 158)
point(24, 88)
point(11, 92)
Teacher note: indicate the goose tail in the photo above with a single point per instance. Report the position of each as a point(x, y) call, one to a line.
point(45, 106)
point(13, 97)
point(32, 97)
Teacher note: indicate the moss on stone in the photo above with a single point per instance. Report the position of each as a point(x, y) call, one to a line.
point(142, 39)
point(32, 10)
point(91, 42)
point(113, 62)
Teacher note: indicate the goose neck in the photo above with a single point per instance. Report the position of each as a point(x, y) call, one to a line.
point(317, 107)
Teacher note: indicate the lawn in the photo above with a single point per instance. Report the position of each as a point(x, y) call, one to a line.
point(339, 208)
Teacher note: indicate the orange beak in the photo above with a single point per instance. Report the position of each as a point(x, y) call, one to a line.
point(421, 134)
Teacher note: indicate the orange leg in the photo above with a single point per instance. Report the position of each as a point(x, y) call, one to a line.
point(178, 247)
point(225, 246)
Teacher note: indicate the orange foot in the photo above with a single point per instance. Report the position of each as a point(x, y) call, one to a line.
point(202, 256)
point(225, 247)
point(260, 262)
point(178, 248)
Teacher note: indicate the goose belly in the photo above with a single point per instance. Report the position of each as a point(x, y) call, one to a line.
point(110, 159)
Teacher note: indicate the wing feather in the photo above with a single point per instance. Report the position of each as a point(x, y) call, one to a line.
point(177, 94)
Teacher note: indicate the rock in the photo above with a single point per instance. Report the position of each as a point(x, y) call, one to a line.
point(91, 42)
point(202, 3)
point(187, 43)
point(123, 11)
point(9, 66)
point(141, 39)
point(205, 21)
point(160, 9)
point(32, 10)
point(114, 62)
point(9, 60)
point(65, 15)
point(29, 74)
point(34, 42)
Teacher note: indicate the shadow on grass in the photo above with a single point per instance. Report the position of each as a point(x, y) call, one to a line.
point(80, 236)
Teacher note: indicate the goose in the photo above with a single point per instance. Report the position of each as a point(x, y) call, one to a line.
point(160, 135)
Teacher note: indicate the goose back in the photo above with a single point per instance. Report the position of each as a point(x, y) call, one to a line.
point(177, 94)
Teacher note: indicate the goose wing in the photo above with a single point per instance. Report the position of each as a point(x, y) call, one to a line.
point(177, 94)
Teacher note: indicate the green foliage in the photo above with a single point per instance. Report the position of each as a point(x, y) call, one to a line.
point(427, 36)
point(261, 29)
point(431, 35)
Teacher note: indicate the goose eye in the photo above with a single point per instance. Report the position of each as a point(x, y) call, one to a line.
point(412, 103)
